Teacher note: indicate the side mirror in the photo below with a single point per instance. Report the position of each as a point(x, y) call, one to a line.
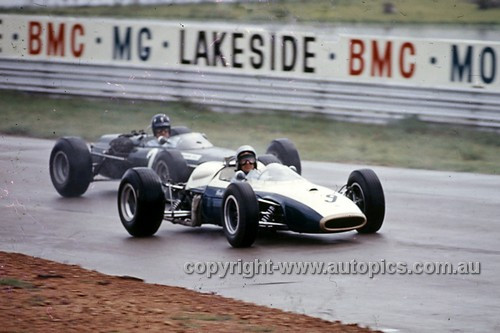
point(229, 161)
point(294, 169)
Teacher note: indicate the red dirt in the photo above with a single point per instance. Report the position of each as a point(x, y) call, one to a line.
point(38, 295)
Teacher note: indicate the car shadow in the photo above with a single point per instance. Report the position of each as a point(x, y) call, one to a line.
point(143, 240)
point(89, 196)
point(273, 238)
point(288, 238)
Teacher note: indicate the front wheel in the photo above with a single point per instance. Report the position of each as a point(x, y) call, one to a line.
point(171, 166)
point(70, 167)
point(141, 202)
point(240, 213)
point(365, 190)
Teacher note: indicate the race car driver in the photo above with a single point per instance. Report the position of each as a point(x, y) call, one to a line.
point(246, 159)
point(160, 125)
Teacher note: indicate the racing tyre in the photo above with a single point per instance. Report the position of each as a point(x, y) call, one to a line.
point(176, 130)
point(286, 152)
point(70, 167)
point(267, 159)
point(171, 166)
point(141, 202)
point(240, 213)
point(365, 190)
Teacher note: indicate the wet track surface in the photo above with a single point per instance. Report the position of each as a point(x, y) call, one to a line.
point(430, 217)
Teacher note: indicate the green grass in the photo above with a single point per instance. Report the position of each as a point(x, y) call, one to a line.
point(322, 11)
point(201, 316)
point(15, 283)
point(408, 144)
point(192, 319)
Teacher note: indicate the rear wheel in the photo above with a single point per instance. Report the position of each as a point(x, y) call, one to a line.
point(240, 213)
point(171, 166)
point(365, 190)
point(267, 159)
point(286, 152)
point(141, 202)
point(70, 167)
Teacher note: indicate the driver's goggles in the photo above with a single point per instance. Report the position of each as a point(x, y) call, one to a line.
point(245, 160)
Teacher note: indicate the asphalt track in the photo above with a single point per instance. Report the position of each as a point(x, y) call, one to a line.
point(431, 217)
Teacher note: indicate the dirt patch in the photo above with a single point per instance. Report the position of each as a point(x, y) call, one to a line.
point(38, 295)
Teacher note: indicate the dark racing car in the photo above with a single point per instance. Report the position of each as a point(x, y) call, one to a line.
point(74, 165)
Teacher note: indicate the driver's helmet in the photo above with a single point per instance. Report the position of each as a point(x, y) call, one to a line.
point(245, 154)
point(160, 122)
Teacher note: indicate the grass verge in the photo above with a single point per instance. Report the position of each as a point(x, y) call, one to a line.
point(408, 144)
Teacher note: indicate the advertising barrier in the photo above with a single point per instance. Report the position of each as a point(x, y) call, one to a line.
point(270, 52)
point(252, 50)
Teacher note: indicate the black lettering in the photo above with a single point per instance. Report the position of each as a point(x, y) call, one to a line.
point(144, 52)
point(181, 54)
point(460, 68)
point(493, 59)
point(273, 55)
point(258, 60)
point(201, 48)
point(308, 54)
point(218, 40)
point(288, 40)
point(236, 50)
point(121, 48)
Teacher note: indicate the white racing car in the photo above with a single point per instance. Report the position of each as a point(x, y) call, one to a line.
point(272, 196)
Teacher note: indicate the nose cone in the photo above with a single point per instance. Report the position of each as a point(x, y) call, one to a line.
point(312, 208)
point(342, 222)
point(338, 212)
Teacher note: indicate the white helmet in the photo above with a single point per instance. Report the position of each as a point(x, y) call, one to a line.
point(245, 153)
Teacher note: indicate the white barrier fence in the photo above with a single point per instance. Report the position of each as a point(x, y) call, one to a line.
point(360, 102)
